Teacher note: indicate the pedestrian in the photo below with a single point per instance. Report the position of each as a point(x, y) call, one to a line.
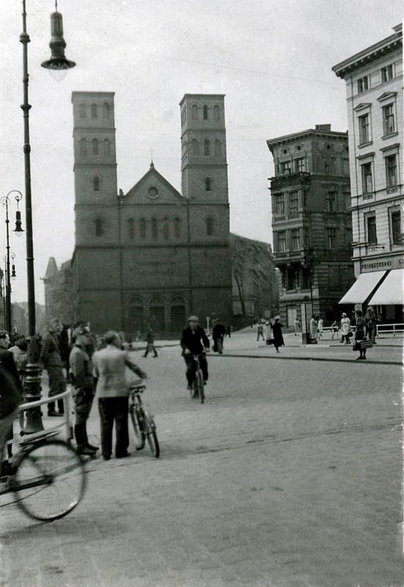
point(52, 361)
point(268, 332)
point(370, 319)
point(112, 389)
point(64, 346)
point(19, 350)
point(150, 344)
point(228, 331)
point(277, 334)
point(260, 331)
point(218, 332)
point(297, 326)
point(360, 335)
point(81, 375)
point(345, 328)
point(313, 329)
point(334, 329)
point(320, 326)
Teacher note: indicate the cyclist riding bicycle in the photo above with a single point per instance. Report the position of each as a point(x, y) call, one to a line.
point(194, 342)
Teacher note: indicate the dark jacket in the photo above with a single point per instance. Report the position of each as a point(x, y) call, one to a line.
point(196, 341)
point(81, 368)
point(10, 384)
point(50, 354)
point(218, 330)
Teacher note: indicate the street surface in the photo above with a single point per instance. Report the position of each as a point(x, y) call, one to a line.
point(289, 475)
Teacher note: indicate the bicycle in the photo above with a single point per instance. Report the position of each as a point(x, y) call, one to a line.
point(47, 476)
point(143, 423)
point(198, 386)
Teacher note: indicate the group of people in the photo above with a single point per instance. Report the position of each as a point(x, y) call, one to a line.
point(271, 332)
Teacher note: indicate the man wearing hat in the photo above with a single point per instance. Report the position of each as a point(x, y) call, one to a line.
point(194, 342)
point(82, 378)
point(52, 361)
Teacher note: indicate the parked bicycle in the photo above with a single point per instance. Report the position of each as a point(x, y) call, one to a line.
point(143, 423)
point(47, 475)
point(198, 386)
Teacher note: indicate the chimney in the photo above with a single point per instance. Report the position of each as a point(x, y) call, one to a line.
point(323, 127)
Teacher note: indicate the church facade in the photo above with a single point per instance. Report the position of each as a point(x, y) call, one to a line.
point(150, 257)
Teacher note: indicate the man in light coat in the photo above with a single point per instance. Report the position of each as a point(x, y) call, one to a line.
point(113, 394)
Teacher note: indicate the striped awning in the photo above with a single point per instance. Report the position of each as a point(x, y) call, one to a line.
point(363, 287)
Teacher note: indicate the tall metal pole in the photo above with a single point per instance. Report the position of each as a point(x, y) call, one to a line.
point(8, 280)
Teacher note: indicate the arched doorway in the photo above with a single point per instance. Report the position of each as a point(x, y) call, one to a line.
point(156, 314)
point(178, 317)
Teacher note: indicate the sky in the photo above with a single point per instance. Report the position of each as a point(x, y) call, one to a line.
point(271, 58)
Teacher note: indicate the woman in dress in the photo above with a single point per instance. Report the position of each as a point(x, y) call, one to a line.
point(277, 332)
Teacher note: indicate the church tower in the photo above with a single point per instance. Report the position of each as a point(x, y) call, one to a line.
point(96, 260)
point(205, 187)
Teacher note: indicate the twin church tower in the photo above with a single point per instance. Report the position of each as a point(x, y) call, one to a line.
point(152, 256)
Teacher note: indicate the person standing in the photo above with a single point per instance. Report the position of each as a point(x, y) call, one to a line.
point(260, 331)
point(150, 344)
point(370, 319)
point(345, 328)
point(83, 382)
point(277, 332)
point(218, 332)
point(334, 329)
point(112, 389)
point(320, 326)
point(360, 334)
point(313, 329)
point(52, 361)
point(297, 326)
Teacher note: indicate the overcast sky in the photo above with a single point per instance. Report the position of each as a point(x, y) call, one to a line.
point(272, 59)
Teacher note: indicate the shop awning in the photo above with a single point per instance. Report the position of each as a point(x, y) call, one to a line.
point(391, 291)
point(362, 288)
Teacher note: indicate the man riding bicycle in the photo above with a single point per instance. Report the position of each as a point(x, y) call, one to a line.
point(194, 342)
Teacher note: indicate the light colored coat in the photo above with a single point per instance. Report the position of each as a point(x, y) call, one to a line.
point(110, 368)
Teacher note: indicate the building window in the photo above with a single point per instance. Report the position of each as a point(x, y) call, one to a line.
point(216, 112)
point(293, 204)
point(206, 144)
point(363, 84)
point(208, 184)
point(281, 241)
point(371, 229)
point(300, 164)
point(177, 227)
point(210, 226)
point(389, 125)
point(295, 239)
point(165, 229)
point(332, 202)
point(279, 204)
point(96, 183)
point(93, 110)
point(218, 148)
point(205, 112)
point(95, 146)
point(391, 171)
point(83, 147)
point(364, 135)
point(367, 178)
point(142, 228)
point(194, 112)
point(285, 167)
point(395, 222)
point(195, 147)
point(107, 147)
point(387, 73)
point(131, 229)
point(99, 226)
point(154, 229)
point(105, 110)
point(331, 237)
point(82, 111)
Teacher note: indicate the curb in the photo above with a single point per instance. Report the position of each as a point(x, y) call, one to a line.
point(367, 362)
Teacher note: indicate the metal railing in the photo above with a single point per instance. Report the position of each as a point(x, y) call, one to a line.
point(397, 328)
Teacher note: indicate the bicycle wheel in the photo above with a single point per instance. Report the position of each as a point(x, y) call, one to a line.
point(151, 434)
point(194, 389)
point(200, 385)
point(137, 428)
point(50, 480)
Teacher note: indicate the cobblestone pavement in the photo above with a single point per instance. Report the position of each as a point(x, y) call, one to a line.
point(289, 475)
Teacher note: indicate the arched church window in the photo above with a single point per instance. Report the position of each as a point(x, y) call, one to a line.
point(93, 110)
point(83, 147)
point(195, 147)
point(154, 232)
point(99, 226)
point(216, 112)
point(105, 110)
point(107, 147)
point(95, 147)
point(142, 228)
point(131, 229)
point(208, 184)
point(82, 110)
point(194, 111)
point(206, 144)
point(218, 148)
point(177, 227)
point(210, 226)
point(166, 229)
point(96, 183)
point(205, 112)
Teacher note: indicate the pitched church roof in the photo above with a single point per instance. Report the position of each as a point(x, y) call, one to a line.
point(152, 176)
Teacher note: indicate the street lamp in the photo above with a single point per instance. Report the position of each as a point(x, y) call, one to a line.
point(5, 200)
point(58, 61)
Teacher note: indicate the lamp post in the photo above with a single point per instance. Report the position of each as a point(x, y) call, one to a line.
point(57, 62)
point(5, 200)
